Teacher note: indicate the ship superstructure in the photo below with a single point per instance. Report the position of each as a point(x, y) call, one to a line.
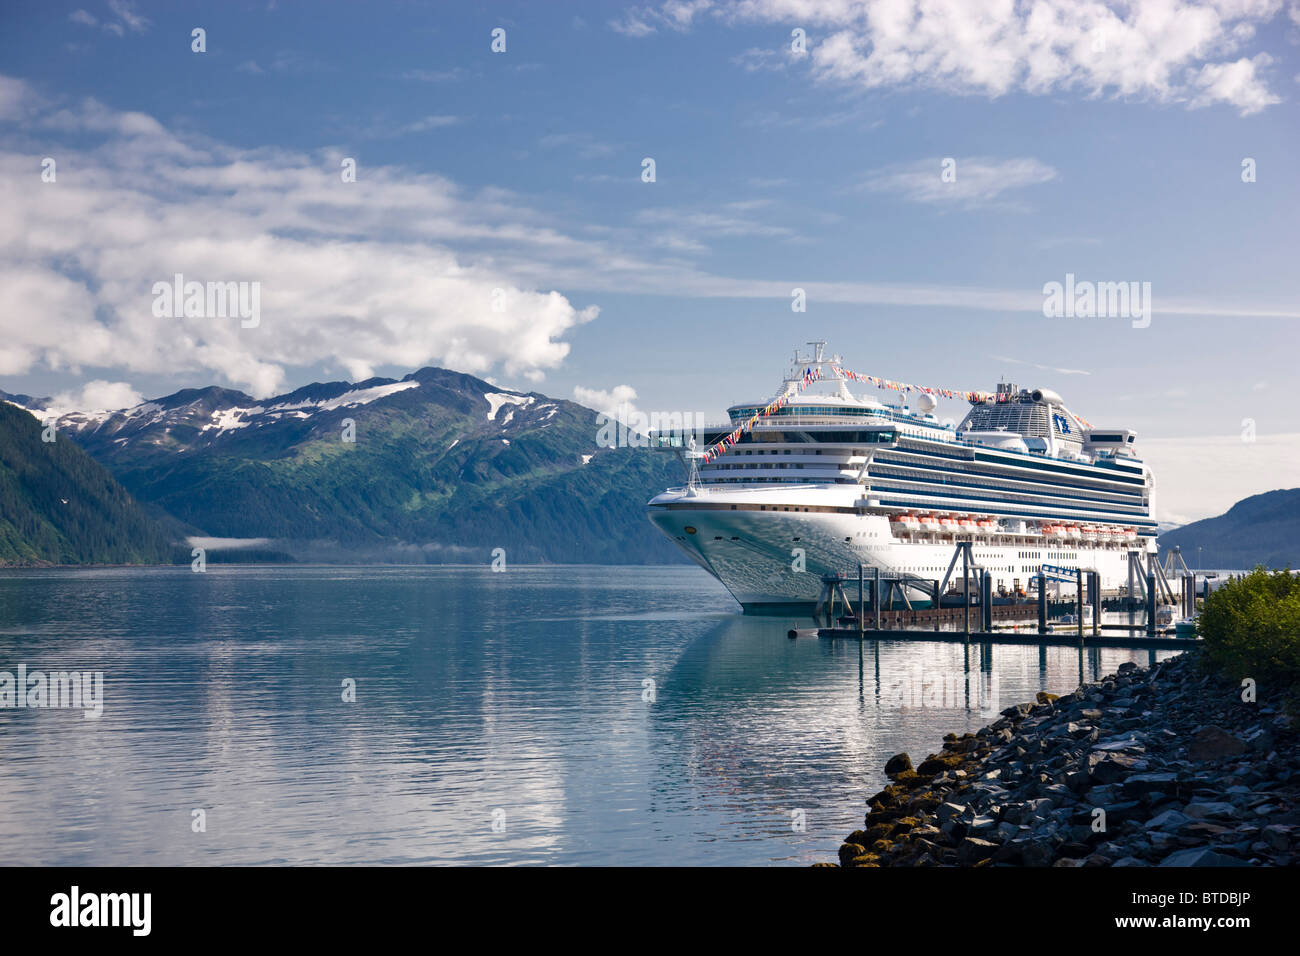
point(832, 479)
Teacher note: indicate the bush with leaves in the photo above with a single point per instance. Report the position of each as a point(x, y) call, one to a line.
point(1251, 626)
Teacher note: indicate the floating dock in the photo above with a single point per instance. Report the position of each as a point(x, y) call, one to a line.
point(972, 621)
point(1059, 638)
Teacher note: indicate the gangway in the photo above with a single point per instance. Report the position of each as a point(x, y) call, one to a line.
point(1058, 573)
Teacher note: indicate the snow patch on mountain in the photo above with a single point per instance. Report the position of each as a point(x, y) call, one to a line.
point(227, 418)
point(357, 396)
point(496, 399)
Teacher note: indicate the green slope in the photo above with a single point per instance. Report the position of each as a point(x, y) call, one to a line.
point(59, 506)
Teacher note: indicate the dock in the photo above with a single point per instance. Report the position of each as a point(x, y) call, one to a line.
point(1056, 639)
point(874, 617)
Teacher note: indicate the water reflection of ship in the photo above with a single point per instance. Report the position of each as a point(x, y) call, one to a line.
point(744, 711)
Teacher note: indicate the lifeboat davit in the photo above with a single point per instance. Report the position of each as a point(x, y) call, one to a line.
point(904, 522)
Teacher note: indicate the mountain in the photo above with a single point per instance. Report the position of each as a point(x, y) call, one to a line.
point(445, 467)
point(1262, 529)
point(26, 401)
point(59, 506)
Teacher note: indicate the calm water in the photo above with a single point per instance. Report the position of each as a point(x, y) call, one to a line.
point(518, 695)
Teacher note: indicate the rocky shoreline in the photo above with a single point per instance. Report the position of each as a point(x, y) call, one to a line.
point(1166, 766)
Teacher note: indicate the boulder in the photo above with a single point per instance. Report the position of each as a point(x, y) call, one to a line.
point(1211, 810)
point(1278, 837)
point(972, 850)
point(1200, 856)
point(1169, 821)
point(948, 811)
point(897, 764)
point(1038, 852)
point(1138, 784)
point(849, 851)
point(1214, 743)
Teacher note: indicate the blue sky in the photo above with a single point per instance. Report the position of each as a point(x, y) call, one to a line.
point(1101, 140)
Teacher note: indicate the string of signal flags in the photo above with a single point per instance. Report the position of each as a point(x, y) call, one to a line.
point(813, 374)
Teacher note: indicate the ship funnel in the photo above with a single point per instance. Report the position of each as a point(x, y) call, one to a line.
point(1046, 395)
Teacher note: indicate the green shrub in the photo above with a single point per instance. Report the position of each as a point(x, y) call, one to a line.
point(1251, 626)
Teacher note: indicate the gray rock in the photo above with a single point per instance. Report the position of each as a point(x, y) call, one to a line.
point(1170, 821)
point(1201, 856)
point(1210, 811)
point(1109, 768)
point(1038, 852)
point(972, 850)
point(1142, 783)
point(1278, 837)
point(1007, 832)
point(947, 812)
point(897, 764)
point(1214, 743)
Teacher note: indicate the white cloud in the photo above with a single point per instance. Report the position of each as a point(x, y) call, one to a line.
point(977, 181)
point(127, 16)
point(1236, 83)
point(730, 221)
point(1042, 368)
point(631, 25)
point(387, 270)
point(98, 396)
point(424, 124)
point(675, 14)
point(1180, 51)
point(618, 402)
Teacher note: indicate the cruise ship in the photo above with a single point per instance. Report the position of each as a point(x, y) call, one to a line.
point(819, 480)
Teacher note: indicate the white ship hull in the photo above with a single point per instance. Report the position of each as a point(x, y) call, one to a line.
point(756, 554)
